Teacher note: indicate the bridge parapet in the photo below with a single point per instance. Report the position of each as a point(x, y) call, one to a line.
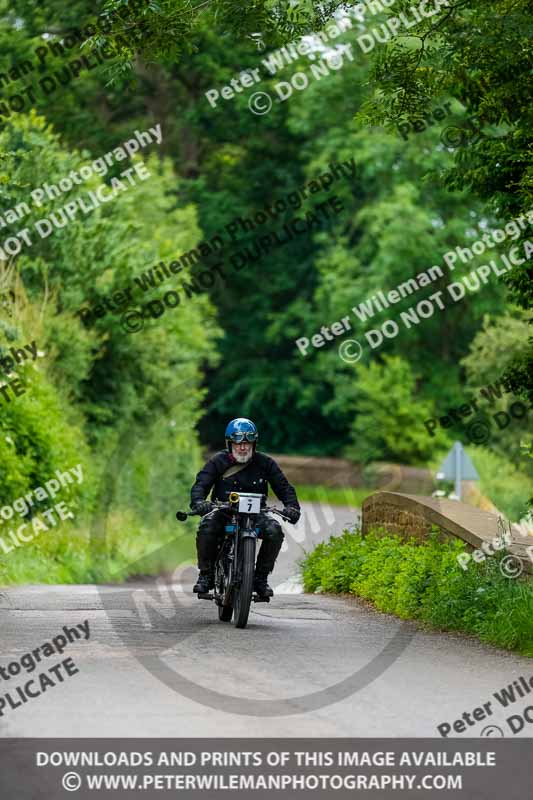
point(412, 516)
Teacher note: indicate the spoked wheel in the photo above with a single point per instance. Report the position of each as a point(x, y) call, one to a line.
point(243, 595)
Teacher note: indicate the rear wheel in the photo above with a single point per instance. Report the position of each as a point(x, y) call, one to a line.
point(225, 609)
point(243, 595)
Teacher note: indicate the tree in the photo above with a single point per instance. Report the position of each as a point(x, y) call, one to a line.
point(95, 378)
point(389, 417)
point(479, 53)
point(165, 30)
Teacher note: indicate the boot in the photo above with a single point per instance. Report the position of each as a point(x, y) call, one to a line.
point(205, 582)
point(261, 586)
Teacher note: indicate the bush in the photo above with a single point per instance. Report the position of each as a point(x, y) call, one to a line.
point(499, 480)
point(426, 582)
point(38, 435)
point(125, 406)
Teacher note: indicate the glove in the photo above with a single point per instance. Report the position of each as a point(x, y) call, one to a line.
point(203, 507)
point(292, 513)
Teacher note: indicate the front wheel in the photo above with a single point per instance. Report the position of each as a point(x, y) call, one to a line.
point(243, 595)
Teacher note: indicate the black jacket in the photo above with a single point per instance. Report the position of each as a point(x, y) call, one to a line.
point(260, 471)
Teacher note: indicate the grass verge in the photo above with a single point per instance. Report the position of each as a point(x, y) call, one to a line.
point(333, 495)
point(67, 555)
point(425, 582)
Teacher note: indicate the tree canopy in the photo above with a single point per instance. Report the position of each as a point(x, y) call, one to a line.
point(404, 190)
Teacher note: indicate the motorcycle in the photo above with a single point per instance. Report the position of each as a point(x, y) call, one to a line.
point(235, 562)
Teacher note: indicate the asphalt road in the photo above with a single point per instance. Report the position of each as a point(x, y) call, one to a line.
point(159, 663)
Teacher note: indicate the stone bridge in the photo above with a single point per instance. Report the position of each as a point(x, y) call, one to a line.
point(411, 515)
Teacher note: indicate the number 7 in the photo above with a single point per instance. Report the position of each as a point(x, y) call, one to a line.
point(249, 504)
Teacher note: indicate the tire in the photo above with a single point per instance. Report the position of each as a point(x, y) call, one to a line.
point(225, 613)
point(243, 596)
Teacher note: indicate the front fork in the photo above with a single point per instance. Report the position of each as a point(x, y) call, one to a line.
point(233, 576)
point(248, 532)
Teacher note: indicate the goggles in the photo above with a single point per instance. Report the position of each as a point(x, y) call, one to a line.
point(238, 438)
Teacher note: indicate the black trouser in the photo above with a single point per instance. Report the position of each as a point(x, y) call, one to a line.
point(210, 536)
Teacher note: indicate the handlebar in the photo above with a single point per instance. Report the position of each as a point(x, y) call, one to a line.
point(181, 516)
point(274, 510)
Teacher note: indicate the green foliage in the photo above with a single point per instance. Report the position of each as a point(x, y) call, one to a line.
point(233, 350)
point(164, 30)
point(93, 385)
point(389, 417)
point(69, 554)
point(302, 405)
point(480, 54)
point(425, 582)
point(502, 342)
point(138, 228)
point(35, 441)
point(506, 484)
point(333, 495)
point(311, 401)
point(495, 346)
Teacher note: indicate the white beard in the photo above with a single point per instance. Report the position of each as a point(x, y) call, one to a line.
point(243, 459)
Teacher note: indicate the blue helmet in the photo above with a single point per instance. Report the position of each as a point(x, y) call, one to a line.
point(241, 430)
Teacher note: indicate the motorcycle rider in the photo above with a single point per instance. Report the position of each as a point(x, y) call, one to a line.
point(240, 468)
